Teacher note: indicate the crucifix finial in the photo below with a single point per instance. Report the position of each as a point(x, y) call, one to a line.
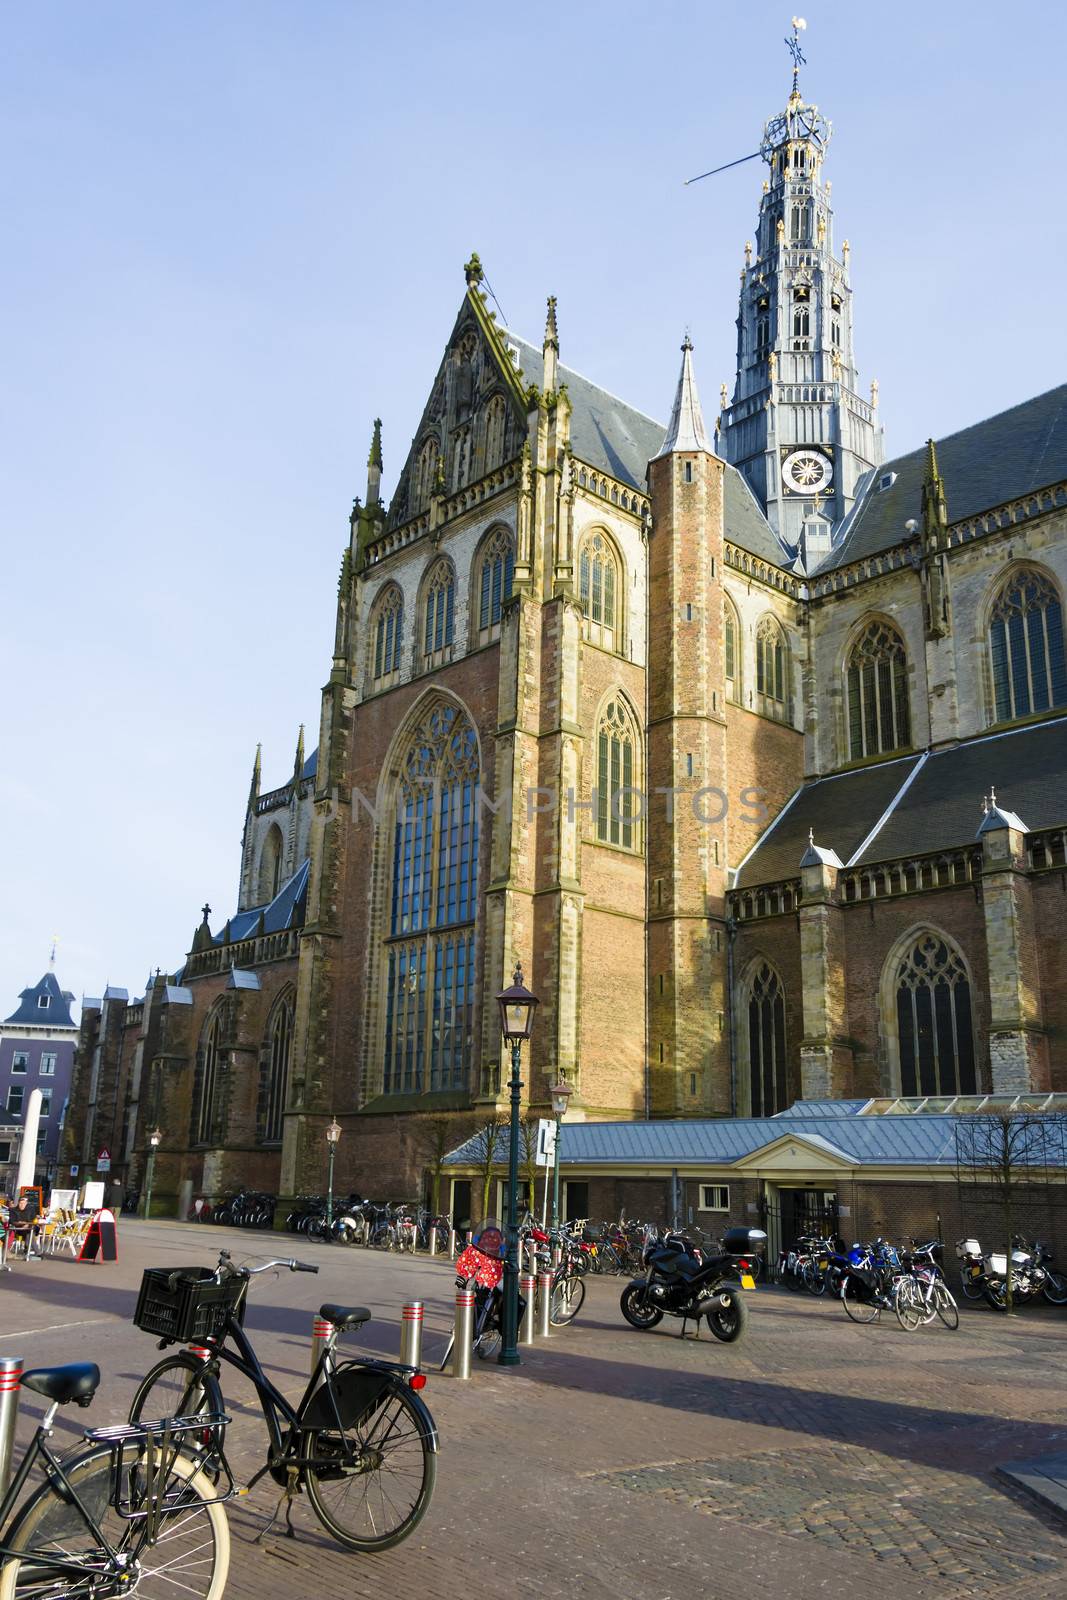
point(792, 44)
point(206, 909)
point(811, 837)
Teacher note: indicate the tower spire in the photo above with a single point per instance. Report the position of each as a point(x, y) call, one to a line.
point(686, 430)
point(793, 46)
point(298, 764)
point(550, 350)
point(257, 773)
point(374, 465)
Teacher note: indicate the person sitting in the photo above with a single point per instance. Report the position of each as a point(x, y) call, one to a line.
point(21, 1219)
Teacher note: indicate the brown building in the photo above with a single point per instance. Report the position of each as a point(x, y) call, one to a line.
point(693, 724)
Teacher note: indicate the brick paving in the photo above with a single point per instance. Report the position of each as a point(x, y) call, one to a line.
point(815, 1458)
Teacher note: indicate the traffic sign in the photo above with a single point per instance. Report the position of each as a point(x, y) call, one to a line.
point(546, 1142)
point(103, 1161)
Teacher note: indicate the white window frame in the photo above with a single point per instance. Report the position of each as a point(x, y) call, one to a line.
point(708, 1192)
point(11, 1111)
point(46, 1104)
point(20, 1063)
point(46, 1067)
point(43, 1002)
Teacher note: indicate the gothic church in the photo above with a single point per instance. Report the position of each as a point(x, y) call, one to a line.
point(746, 741)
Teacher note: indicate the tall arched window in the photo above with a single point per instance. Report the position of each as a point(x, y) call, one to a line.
point(731, 649)
point(496, 417)
point(879, 717)
point(205, 1114)
point(935, 1034)
point(387, 636)
point(1026, 646)
point(494, 571)
point(618, 776)
point(270, 865)
point(425, 474)
point(438, 613)
point(279, 1050)
point(772, 668)
point(767, 1076)
point(429, 949)
point(801, 322)
point(600, 591)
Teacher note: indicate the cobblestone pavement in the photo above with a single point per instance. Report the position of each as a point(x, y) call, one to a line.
point(814, 1459)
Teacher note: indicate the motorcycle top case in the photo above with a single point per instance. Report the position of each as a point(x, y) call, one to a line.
point(742, 1241)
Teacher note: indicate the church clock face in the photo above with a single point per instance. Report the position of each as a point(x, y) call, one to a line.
point(807, 472)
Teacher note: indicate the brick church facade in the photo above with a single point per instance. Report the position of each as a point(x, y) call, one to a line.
point(745, 741)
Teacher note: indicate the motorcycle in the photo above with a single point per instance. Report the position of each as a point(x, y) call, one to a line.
point(1031, 1273)
point(680, 1281)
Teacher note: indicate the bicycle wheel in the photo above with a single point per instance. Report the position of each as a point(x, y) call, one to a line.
point(857, 1302)
point(189, 1557)
point(371, 1485)
point(909, 1305)
point(178, 1386)
point(945, 1305)
point(566, 1302)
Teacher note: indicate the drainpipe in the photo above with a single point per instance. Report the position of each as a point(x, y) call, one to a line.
point(731, 934)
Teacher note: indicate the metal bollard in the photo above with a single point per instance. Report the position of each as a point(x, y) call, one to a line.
point(10, 1378)
point(528, 1289)
point(411, 1334)
point(433, 1239)
point(451, 1244)
point(464, 1334)
point(321, 1330)
point(557, 1256)
point(544, 1302)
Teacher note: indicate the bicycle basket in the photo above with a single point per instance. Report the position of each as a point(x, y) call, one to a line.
point(185, 1303)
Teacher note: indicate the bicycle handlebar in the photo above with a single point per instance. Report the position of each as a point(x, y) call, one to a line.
point(251, 1272)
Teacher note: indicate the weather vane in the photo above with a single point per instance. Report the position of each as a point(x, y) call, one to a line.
point(793, 46)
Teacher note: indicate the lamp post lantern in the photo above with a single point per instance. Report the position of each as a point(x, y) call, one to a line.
point(333, 1133)
point(154, 1140)
point(561, 1093)
point(517, 1007)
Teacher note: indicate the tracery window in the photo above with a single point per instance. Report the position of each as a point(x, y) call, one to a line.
point(768, 1086)
point(618, 777)
point(493, 578)
point(801, 322)
point(425, 474)
point(599, 591)
point(935, 1034)
point(1026, 646)
point(496, 416)
point(439, 613)
point(772, 667)
point(429, 947)
point(387, 636)
point(205, 1119)
point(879, 717)
point(731, 636)
point(279, 1050)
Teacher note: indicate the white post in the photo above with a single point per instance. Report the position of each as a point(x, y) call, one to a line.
point(28, 1148)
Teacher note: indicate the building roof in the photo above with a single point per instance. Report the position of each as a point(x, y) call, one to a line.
point(746, 526)
point(606, 433)
point(918, 804)
point(54, 1014)
point(803, 1110)
point(1002, 458)
point(686, 430)
point(284, 911)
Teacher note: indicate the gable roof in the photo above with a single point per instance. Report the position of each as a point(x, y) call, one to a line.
point(284, 911)
point(56, 1014)
point(917, 804)
point(1002, 458)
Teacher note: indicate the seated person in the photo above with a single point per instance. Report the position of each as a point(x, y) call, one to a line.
point(22, 1215)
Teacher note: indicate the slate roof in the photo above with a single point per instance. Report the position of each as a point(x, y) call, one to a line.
point(606, 433)
point(282, 912)
point(57, 1012)
point(864, 1141)
point(745, 524)
point(1000, 459)
point(917, 805)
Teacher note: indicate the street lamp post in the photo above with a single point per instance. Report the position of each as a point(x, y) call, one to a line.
point(561, 1093)
point(517, 1007)
point(154, 1139)
point(333, 1133)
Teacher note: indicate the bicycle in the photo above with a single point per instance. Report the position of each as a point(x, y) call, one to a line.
point(922, 1293)
point(358, 1423)
point(132, 1511)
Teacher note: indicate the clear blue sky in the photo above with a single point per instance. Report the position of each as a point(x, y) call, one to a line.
point(235, 234)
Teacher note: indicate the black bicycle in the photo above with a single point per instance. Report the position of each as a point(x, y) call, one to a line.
point(134, 1510)
point(360, 1441)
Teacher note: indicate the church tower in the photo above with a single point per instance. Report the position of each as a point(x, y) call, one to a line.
point(797, 427)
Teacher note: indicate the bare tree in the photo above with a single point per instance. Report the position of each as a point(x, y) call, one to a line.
point(434, 1138)
point(528, 1160)
point(485, 1154)
point(1002, 1157)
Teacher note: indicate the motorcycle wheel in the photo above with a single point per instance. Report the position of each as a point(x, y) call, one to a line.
point(728, 1318)
point(997, 1296)
point(1054, 1288)
point(636, 1310)
point(971, 1287)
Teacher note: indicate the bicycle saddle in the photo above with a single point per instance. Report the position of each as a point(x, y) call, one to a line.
point(342, 1316)
point(63, 1384)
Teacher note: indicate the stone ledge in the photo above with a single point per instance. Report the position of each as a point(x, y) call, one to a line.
point(1044, 1480)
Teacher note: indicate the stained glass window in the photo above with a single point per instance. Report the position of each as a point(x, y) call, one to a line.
point(934, 1028)
point(1026, 647)
point(879, 717)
